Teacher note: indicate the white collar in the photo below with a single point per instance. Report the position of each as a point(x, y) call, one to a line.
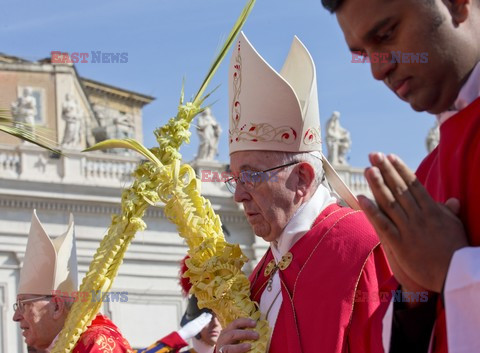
point(469, 92)
point(302, 221)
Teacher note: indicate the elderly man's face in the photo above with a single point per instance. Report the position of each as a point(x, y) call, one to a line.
point(271, 204)
point(36, 321)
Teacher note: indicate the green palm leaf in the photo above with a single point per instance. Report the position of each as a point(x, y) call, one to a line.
point(126, 143)
point(37, 135)
point(198, 100)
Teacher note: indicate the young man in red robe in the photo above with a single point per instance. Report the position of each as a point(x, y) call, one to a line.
point(318, 284)
point(427, 244)
point(50, 267)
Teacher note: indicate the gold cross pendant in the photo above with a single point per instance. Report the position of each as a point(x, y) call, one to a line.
point(272, 267)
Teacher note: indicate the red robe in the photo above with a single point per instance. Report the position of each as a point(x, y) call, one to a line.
point(330, 290)
point(453, 170)
point(102, 336)
point(172, 343)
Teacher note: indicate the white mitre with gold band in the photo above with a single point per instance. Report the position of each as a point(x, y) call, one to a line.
point(274, 111)
point(49, 264)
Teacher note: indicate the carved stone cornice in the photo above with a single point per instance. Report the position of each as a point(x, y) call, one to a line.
point(91, 207)
point(103, 89)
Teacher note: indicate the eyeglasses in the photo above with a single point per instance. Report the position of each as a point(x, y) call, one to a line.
point(250, 179)
point(20, 304)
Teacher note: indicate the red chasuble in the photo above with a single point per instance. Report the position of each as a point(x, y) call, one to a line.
point(453, 170)
point(102, 336)
point(172, 343)
point(330, 290)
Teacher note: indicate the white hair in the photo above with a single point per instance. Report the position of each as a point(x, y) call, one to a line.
point(312, 158)
point(67, 301)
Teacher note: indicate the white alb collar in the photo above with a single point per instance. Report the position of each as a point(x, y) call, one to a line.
point(302, 221)
point(469, 92)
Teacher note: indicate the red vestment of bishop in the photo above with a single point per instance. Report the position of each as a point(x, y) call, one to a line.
point(330, 290)
point(102, 336)
point(453, 170)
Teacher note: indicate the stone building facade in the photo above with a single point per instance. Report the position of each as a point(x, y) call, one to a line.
point(77, 113)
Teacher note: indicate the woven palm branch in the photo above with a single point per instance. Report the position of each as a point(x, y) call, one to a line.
point(214, 266)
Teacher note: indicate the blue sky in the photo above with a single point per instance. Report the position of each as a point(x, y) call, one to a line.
point(167, 40)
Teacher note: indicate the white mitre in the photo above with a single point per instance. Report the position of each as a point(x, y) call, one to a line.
point(49, 264)
point(273, 111)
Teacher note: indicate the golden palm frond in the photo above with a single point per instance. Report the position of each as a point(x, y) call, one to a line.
point(37, 135)
point(214, 266)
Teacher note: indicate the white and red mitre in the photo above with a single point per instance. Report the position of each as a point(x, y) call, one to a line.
point(271, 111)
point(49, 264)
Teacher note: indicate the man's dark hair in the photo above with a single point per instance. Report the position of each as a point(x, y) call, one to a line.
point(332, 5)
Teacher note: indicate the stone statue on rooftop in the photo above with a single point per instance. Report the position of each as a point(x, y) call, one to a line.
point(71, 136)
point(209, 133)
point(338, 140)
point(433, 137)
point(24, 109)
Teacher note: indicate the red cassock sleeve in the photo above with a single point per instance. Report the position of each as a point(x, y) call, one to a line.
point(102, 337)
point(172, 343)
point(372, 298)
